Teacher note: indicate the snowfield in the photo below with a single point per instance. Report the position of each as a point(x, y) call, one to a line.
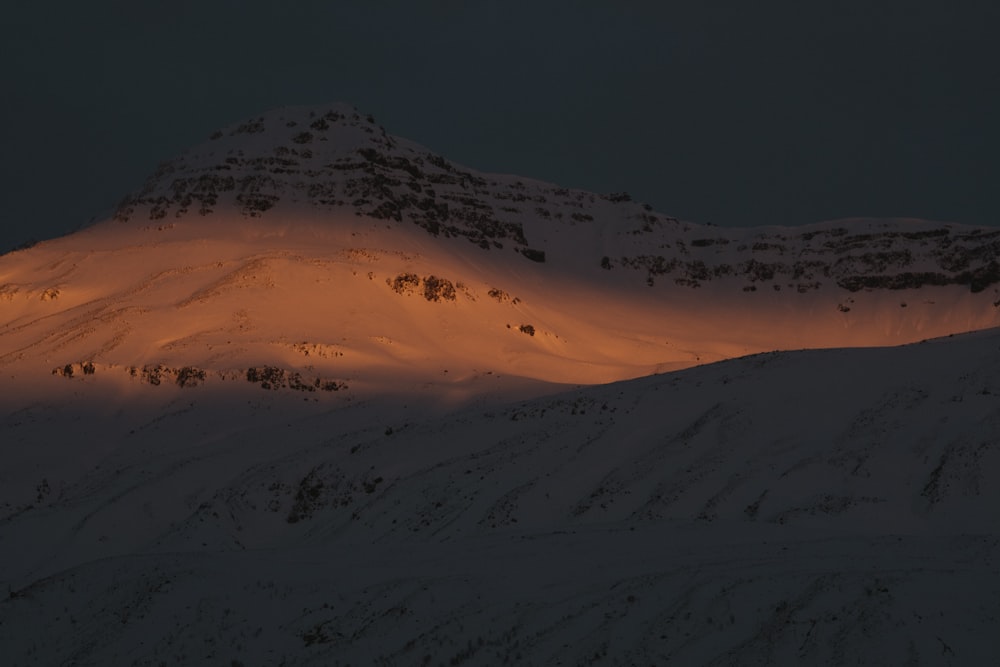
point(332, 399)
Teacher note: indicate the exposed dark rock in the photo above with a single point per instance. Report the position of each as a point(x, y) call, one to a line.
point(438, 289)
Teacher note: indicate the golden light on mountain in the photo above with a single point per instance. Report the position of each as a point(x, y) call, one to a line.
point(315, 228)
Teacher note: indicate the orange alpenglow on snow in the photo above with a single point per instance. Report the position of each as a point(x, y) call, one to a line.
point(313, 243)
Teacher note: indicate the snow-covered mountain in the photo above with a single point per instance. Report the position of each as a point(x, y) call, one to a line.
point(312, 239)
point(314, 396)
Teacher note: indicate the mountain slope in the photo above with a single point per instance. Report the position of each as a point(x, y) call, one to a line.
point(826, 506)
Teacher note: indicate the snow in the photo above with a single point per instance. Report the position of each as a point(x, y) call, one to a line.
point(457, 491)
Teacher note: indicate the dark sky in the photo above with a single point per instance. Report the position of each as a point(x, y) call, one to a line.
point(722, 112)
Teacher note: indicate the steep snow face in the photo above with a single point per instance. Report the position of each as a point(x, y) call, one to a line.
point(311, 242)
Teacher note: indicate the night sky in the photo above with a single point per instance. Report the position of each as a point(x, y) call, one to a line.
point(734, 114)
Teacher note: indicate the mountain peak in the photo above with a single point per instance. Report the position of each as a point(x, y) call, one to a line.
point(312, 229)
point(258, 162)
point(333, 159)
point(340, 124)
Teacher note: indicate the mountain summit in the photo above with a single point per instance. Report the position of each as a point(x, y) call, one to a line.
point(312, 241)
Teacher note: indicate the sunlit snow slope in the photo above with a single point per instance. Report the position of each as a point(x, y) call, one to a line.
point(311, 241)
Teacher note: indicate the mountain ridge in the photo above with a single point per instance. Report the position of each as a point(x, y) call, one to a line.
point(375, 164)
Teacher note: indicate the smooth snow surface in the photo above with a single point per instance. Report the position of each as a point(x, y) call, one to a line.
point(332, 411)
